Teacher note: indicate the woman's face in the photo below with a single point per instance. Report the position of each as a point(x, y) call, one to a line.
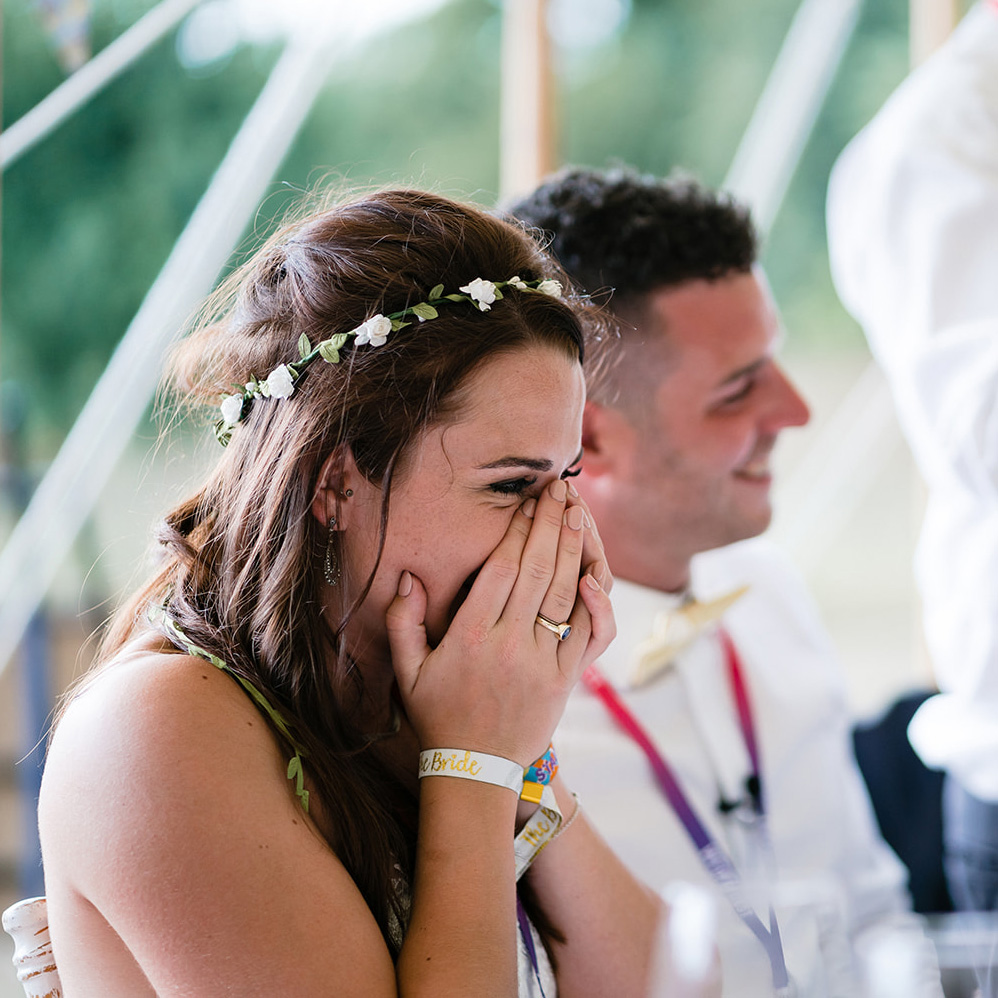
point(520, 429)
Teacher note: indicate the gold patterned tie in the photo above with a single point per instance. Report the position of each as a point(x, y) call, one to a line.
point(674, 631)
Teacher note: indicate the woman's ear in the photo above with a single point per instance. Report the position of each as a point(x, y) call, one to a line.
point(333, 488)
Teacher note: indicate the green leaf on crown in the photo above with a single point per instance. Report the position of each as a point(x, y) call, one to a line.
point(424, 310)
point(328, 352)
point(223, 432)
point(304, 347)
point(436, 291)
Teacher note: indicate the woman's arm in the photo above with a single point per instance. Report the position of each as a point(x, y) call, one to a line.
point(608, 918)
point(462, 934)
point(495, 684)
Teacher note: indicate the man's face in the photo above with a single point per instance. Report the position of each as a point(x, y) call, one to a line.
point(695, 472)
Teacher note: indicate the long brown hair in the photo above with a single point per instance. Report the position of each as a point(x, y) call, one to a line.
point(241, 572)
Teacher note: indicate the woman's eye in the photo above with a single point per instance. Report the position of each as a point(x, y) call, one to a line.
point(513, 487)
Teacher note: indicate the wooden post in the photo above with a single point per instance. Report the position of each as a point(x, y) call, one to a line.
point(526, 121)
point(929, 25)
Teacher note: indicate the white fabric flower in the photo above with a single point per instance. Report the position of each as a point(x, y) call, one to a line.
point(482, 293)
point(550, 288)
point(374, 332)
point(280, 383)
point(232, 408)
point(515, 282)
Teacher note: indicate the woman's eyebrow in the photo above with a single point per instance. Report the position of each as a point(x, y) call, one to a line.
point(534, 463)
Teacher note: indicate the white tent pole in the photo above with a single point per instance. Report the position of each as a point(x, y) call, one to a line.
point(786, 111)
point(75, 91)
point(66, 495)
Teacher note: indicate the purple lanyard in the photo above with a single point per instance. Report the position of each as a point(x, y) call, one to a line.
point(713, 857)
point(528, 942)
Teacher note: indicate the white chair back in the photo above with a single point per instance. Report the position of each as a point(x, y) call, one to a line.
point(27, 923)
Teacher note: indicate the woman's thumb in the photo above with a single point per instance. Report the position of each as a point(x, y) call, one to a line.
point(404, 620)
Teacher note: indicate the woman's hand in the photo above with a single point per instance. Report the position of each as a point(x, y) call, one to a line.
point(498, 680)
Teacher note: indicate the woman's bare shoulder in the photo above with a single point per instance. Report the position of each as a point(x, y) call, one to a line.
point(154, 708)
point(166, 805)
point(157, 731)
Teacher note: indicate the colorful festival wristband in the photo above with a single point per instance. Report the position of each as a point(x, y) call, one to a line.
point(538, 775)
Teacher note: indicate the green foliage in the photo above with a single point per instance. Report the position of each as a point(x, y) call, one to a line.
point(92, 212)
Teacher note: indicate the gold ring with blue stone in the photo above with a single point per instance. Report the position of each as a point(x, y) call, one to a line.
point(562, 630)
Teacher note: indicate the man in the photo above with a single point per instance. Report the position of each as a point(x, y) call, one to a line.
point(740, 697)
point(912, 215)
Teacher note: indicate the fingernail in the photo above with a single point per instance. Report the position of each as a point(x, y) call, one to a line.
point(592, 583)
point(405, 584)
point(527, 509)
point(586, 520)
point(574, 517)
point(558, 489)
point(599, 570)
point(573, 491)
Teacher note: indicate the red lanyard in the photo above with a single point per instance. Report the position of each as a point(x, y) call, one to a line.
point(713, 857)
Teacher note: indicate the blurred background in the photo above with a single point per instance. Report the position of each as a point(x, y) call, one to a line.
point(410, 91)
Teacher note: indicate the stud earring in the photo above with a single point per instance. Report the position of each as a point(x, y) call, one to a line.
point(331, 564)
point(348, 493)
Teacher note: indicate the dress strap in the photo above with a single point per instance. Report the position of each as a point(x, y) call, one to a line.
point(161, 619)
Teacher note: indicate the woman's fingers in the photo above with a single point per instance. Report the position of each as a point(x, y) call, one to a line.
point(407, 632)
point(602, 627)
point(562, 592)
point(546, 578)
point(593, 555)
point(490, 591)
point(593, 628)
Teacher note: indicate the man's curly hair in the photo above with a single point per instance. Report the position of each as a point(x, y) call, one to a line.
point(633, 233)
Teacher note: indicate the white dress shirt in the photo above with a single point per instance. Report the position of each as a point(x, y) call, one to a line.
point(913, 239)
point(824, 838)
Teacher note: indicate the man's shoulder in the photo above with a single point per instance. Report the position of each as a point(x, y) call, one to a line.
point(757, 562)
point(778, 599)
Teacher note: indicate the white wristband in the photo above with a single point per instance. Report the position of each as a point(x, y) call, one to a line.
point(541, 829)
point(467, 765)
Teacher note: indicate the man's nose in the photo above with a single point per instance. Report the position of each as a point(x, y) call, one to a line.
point(788, 406)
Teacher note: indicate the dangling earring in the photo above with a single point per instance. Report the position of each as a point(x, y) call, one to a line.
point(331, 564)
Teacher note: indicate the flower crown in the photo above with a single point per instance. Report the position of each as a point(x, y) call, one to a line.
point(280, 383)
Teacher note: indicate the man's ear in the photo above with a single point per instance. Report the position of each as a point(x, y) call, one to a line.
point(335, 486)
point(602, 431)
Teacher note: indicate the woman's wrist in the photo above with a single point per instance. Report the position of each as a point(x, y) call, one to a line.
point(483, 767)
point(534, 830)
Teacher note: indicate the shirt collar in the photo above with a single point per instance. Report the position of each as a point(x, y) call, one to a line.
point(634, 608)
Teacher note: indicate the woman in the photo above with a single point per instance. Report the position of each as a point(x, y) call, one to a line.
point(388, 560)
